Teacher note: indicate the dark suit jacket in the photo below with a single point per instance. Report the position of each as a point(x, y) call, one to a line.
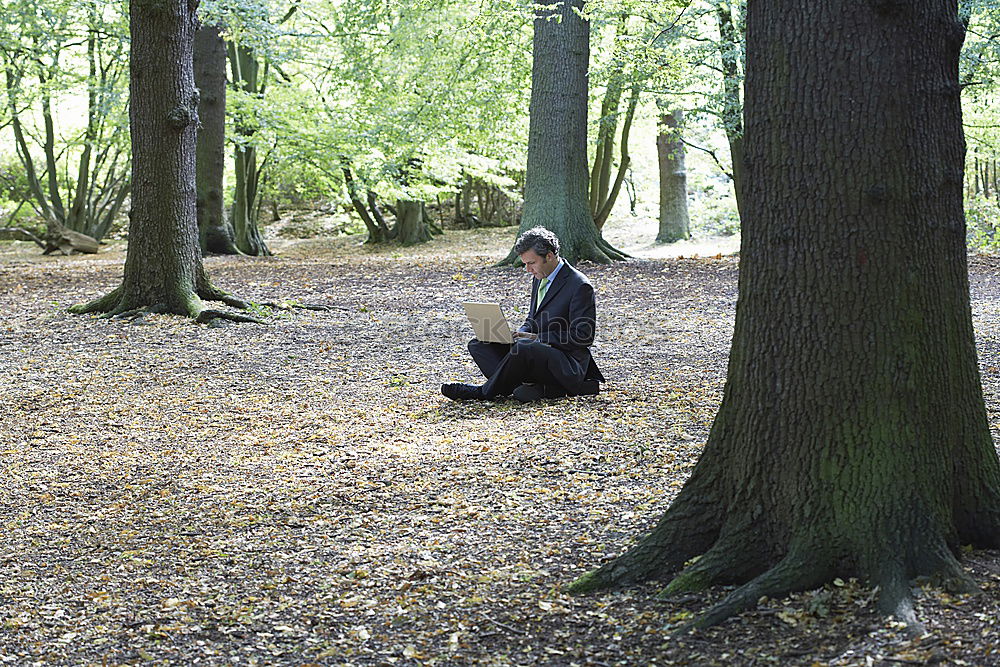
point(566, 320)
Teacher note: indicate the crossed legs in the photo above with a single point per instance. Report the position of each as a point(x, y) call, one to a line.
point(509, 366)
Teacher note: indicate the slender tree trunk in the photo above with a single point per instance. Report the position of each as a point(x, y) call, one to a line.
point(376, 233)
point(555, 192)
point(49, 148)
point(852, 439)
point(674, 222)
point(466, 197)
point(386, 232)
point(163, 267)
point(24, 154)
point(214, 233)
point(246, 195)
point(611, 197)
point(600, 174)
point(730, 47)
point(78, 218)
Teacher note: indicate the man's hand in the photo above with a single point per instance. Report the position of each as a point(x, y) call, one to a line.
point(524, 335)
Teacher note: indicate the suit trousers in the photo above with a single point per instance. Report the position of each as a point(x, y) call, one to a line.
point(508, 366)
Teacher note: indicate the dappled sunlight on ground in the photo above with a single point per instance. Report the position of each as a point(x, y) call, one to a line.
point(301, 492)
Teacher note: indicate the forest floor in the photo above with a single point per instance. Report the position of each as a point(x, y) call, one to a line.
point(300, 492)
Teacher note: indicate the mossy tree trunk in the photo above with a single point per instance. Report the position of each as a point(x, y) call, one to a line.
point(674, 221)
point(215, 234)
point(246, 191)
point(556, 185)
point(163, 267)
point(852, 439)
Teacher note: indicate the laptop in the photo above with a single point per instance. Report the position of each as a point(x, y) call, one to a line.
point(489, 322)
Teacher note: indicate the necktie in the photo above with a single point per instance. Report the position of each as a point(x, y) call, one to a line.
point(543, 287)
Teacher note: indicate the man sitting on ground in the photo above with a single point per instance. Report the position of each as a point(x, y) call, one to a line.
point(550, 356)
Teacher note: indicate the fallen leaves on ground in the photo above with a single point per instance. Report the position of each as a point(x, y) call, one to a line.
point(300, 493)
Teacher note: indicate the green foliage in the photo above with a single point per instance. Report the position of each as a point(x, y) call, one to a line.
point(65, 70)
point(982, 222)
point(713, 210)
point(413, 95)
point(417, 98)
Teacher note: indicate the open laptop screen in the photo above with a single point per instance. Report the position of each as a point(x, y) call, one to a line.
point(488, 322)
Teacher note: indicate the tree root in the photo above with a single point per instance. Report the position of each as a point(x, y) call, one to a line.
point(896, 599)
point(289, 305)
point(726, 562)
point(114, 305)
point(207, 315)
point(646, 560)
point(213, 293)
point(104, 304)
point(681, 534)
point(797, 571)
point(598, 251)
point(613, 253)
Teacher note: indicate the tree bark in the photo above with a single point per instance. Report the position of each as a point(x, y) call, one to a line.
point(214, 233)
point(555, 192)
point(378, 232)
point(852, 439)
point(411, 224)
point(163, 267)
point(600, 174)
point(674, 221)
point(246, 194)
point(611, 197)
point(730, 46)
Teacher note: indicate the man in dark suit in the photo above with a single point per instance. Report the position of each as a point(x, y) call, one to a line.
point(550, 356)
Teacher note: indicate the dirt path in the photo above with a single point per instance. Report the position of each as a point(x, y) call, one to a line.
point(301, 493)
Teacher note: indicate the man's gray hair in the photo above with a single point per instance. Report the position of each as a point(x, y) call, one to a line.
point(539, 239)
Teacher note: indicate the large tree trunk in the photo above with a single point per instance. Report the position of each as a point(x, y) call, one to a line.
point(163, 267)
point(852, 439)
point(555, 193)
point(674, 221)
point(215, 234)
point(411, 222)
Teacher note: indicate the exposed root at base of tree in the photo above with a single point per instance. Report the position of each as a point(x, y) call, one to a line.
point(114, 305)
point(734, 553)
point(804, 567)
point(207, 315)
point(291, 305)
point(797, 571)
point(688, 529)
point(613, 253)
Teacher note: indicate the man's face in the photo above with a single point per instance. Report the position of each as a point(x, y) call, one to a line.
point(538, 266)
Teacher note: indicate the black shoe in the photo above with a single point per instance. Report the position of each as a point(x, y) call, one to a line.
point(458, 391)
point(527, 393)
